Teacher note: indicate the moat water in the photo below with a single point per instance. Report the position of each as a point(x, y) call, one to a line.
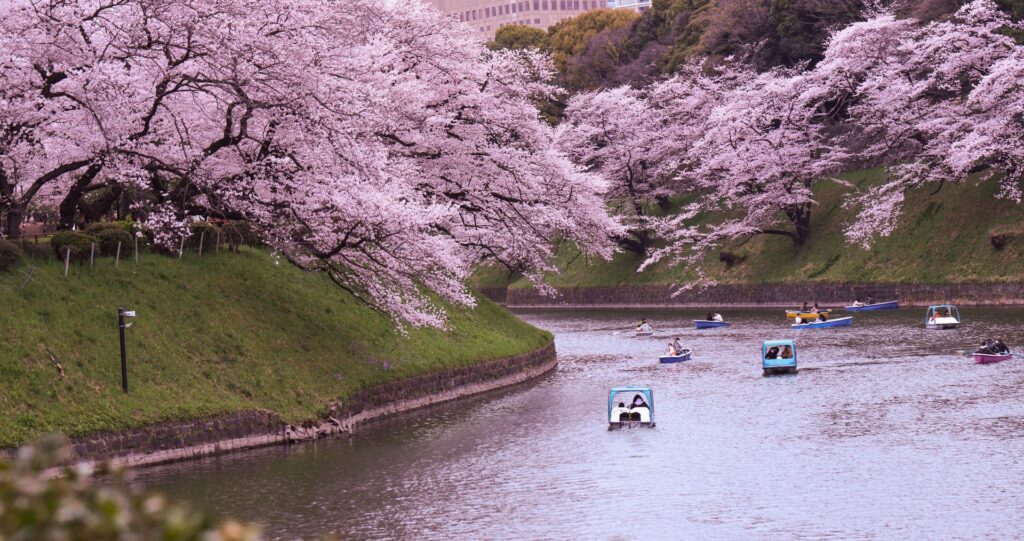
point(887, 432)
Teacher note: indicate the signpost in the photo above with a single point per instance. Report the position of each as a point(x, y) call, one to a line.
point(121, 314)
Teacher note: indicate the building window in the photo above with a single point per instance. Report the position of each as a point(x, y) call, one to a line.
point(514, 8)
point(576, 5)
point(561, 4)
point(536, 5)
point(545, 4)
point(536, 21)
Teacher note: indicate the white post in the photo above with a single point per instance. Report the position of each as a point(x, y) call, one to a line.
point(92, 254)
point(181, 248)
point(117, 258)
point(67, 260)
point(217, 250)
point(136, 239)
point(202, 237)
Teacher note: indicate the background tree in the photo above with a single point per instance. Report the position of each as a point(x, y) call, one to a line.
point(517, 36)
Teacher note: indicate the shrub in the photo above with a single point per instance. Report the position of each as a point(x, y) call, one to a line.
point(39, 505)
point(197, 230)
point(36, 250)
point(108, 238)
point(238, 232)
point(96, 228)
point(10, 254)
point(78, 242)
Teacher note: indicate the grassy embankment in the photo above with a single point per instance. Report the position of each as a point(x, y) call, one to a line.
point(213, 335)
point(942, 237)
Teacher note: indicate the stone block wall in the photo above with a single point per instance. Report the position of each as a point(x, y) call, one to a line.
point(767, 295)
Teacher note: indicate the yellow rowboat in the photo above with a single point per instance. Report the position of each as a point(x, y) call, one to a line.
point(807, 315)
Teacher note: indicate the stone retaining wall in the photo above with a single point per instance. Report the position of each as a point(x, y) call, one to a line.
point(757, 295)
point(168, 442)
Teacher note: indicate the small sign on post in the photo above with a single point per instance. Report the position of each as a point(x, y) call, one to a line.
point(121, 326)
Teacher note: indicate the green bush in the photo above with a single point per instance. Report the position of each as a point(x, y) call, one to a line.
point(36, 250)
point(10, 254)
point(238, 232)
point(96, 228)
point(204, 231)
point(35, 504)
point(108, 239)
point(78, 242)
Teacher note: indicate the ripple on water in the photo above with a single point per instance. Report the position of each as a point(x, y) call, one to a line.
point(886, 433)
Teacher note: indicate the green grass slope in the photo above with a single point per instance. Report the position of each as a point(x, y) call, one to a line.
point(213, 335)
point(942, 237)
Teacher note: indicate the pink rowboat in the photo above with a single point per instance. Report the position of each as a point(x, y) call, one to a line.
point(985, 358)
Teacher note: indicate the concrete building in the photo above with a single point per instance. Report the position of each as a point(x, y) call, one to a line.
point(635, 5)
point(486, 16)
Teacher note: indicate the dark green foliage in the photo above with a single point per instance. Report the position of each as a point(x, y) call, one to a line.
point(108, 239)
point(204, 232)
point(10, 254)
point(35, 504)
point(517, 36)
point(36, 250)
point(236, 233)
point(78, 242)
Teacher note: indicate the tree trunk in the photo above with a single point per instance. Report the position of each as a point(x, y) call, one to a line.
point(12, 223)
point(69, 205)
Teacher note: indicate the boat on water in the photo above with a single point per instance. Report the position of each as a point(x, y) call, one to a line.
point(942, 316)
point(682, 357)
point(705, 324)
point(644, 329)
point(630, 407)
point(645, 333)
point(807, 315)
point(778, 357)
point(988, 358)
point(888, 305)
point(837, 322)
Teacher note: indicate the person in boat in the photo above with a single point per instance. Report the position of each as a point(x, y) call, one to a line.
point(671, 351)
point(857, 302)
point(787, 353)
point(871, 300)
point(986, 348)
point(999, 347)
point(798, 320)
point(644, 326)
point(805, 308)
point(638, 402)
point(677, 346)
point(717, 317)
point(772, 353)
point(710, 317)
point(822, 317)
point(815, 309)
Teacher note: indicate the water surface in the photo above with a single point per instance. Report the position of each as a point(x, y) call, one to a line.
point(886, 433)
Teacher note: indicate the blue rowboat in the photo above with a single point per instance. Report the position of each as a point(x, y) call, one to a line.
point(888, 305)
point(704, 324)
point(685, 356)
point(838, 322)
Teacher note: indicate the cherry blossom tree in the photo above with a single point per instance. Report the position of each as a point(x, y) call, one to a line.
point(940, 104)
point(375, 142)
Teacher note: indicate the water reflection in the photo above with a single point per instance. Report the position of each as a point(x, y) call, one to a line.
point(887, 432)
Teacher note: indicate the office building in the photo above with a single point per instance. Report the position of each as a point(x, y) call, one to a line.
point(487, 16)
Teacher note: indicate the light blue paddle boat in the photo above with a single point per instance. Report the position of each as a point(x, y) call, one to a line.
point(778, 357)
point(837, 322)
point(631, 406)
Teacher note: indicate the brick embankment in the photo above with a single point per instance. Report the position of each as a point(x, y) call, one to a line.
point(174, 441)
point(759, 295)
